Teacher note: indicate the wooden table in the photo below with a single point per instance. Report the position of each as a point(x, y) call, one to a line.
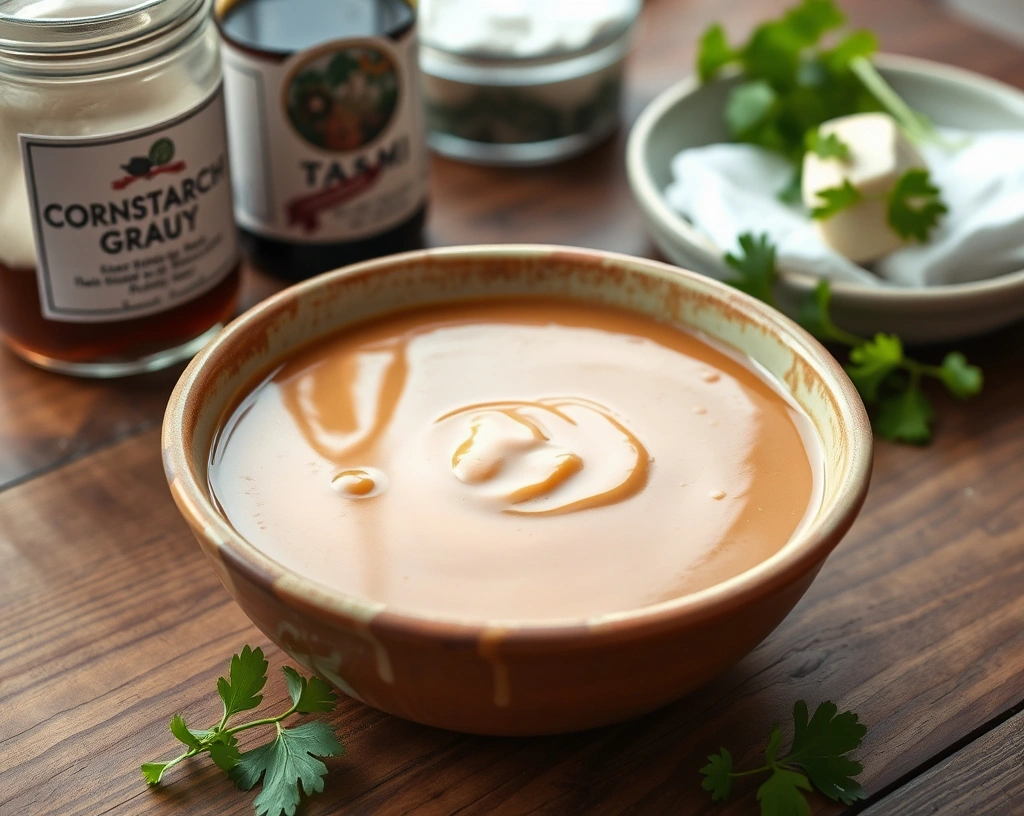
point(111, 621)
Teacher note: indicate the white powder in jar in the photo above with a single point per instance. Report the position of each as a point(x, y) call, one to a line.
point(521, 28)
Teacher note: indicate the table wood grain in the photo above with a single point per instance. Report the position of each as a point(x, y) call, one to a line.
point(111, 621)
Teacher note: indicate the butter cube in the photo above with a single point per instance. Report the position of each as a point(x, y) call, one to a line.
point(879, 155)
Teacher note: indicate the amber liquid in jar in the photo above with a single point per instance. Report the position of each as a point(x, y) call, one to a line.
point(271, 31)
point(40, 340)
point(118, 248)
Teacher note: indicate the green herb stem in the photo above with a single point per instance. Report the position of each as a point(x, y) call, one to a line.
point(265, 721)
point(914, 126)
point(762, 769)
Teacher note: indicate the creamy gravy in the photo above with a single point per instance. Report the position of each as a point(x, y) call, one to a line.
point(516, 459)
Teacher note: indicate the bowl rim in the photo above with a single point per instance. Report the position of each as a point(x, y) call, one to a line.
point(802, 554)
point(656, 208)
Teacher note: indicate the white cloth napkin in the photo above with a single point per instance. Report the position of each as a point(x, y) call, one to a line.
point(728, 189)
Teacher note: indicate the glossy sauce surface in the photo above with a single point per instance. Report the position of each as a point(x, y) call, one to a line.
point(517, 459)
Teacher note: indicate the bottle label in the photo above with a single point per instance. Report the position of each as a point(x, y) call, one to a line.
point(134, 223)
point(329, 143)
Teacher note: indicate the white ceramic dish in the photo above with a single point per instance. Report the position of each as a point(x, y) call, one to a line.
point(689, 114)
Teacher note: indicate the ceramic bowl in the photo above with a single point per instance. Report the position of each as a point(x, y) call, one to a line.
point(689, 114)
point(494, 677)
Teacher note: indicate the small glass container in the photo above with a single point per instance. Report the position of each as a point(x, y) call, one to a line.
point(118, 250)
point(522, 88)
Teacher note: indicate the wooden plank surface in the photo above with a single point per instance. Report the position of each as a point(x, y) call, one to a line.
point(112, 621)
point(983, 777)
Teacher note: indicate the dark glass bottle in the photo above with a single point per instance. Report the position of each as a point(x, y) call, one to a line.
point(326, 129)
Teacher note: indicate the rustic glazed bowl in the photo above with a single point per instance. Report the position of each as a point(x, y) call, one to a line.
point(504, 677)
point(690, 114)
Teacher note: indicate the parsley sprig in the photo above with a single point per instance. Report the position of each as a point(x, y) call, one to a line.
point(793, 82)
point(288, 764)
point(819, 756)
point(888, 380)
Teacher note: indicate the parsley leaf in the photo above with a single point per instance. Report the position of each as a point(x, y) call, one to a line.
point(819, 755)
point(248, 673)
point(780, 794)
point(885, 377)
point(749, 105)
point(872, 362)
point(835, 200)
point(915, 206)
point(812, 19)
point(285, 765)
point(827, 147)
point(820, 746)
point(813, 314)
point(225, 754)
point(288, 765)
point(309, 696)
point(756, 266)
point(962, 379)
point(905, 416)
point(714, 54)
point(855, 44)
point(153, 772)
point(718, 775)
point(792, 193)
point(180, 730)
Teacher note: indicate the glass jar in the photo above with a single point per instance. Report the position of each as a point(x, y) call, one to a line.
point(525, 83)
point(327, 130)
point(118, 250)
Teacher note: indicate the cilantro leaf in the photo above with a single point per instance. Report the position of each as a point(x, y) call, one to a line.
point(820, 745)
point(180, 730)
point(288, 767)
point(309, 695)
point(248, 676)
point(153, 772)
point(718, 775)
point(915, 207)
point(780, 794)
point(714, 53)
point(813, 312)
point(792, 193)
point(905, 416)
point(960, 378)
point(225, 754)
point(855, 44)
point(827, 147)
point(756, 266)
point(873, 362)
point(812, 19)
point(748, 106)
point(774, 49)
point(835, 200)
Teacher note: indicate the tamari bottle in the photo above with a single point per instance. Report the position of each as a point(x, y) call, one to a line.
point(118, 251)
point(326, 128)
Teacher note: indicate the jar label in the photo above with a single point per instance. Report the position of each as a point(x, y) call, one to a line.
point(134, 223)
point(329, 144)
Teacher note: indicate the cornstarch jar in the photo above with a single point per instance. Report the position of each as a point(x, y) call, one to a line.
point(118, 250)
point(326, 128)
